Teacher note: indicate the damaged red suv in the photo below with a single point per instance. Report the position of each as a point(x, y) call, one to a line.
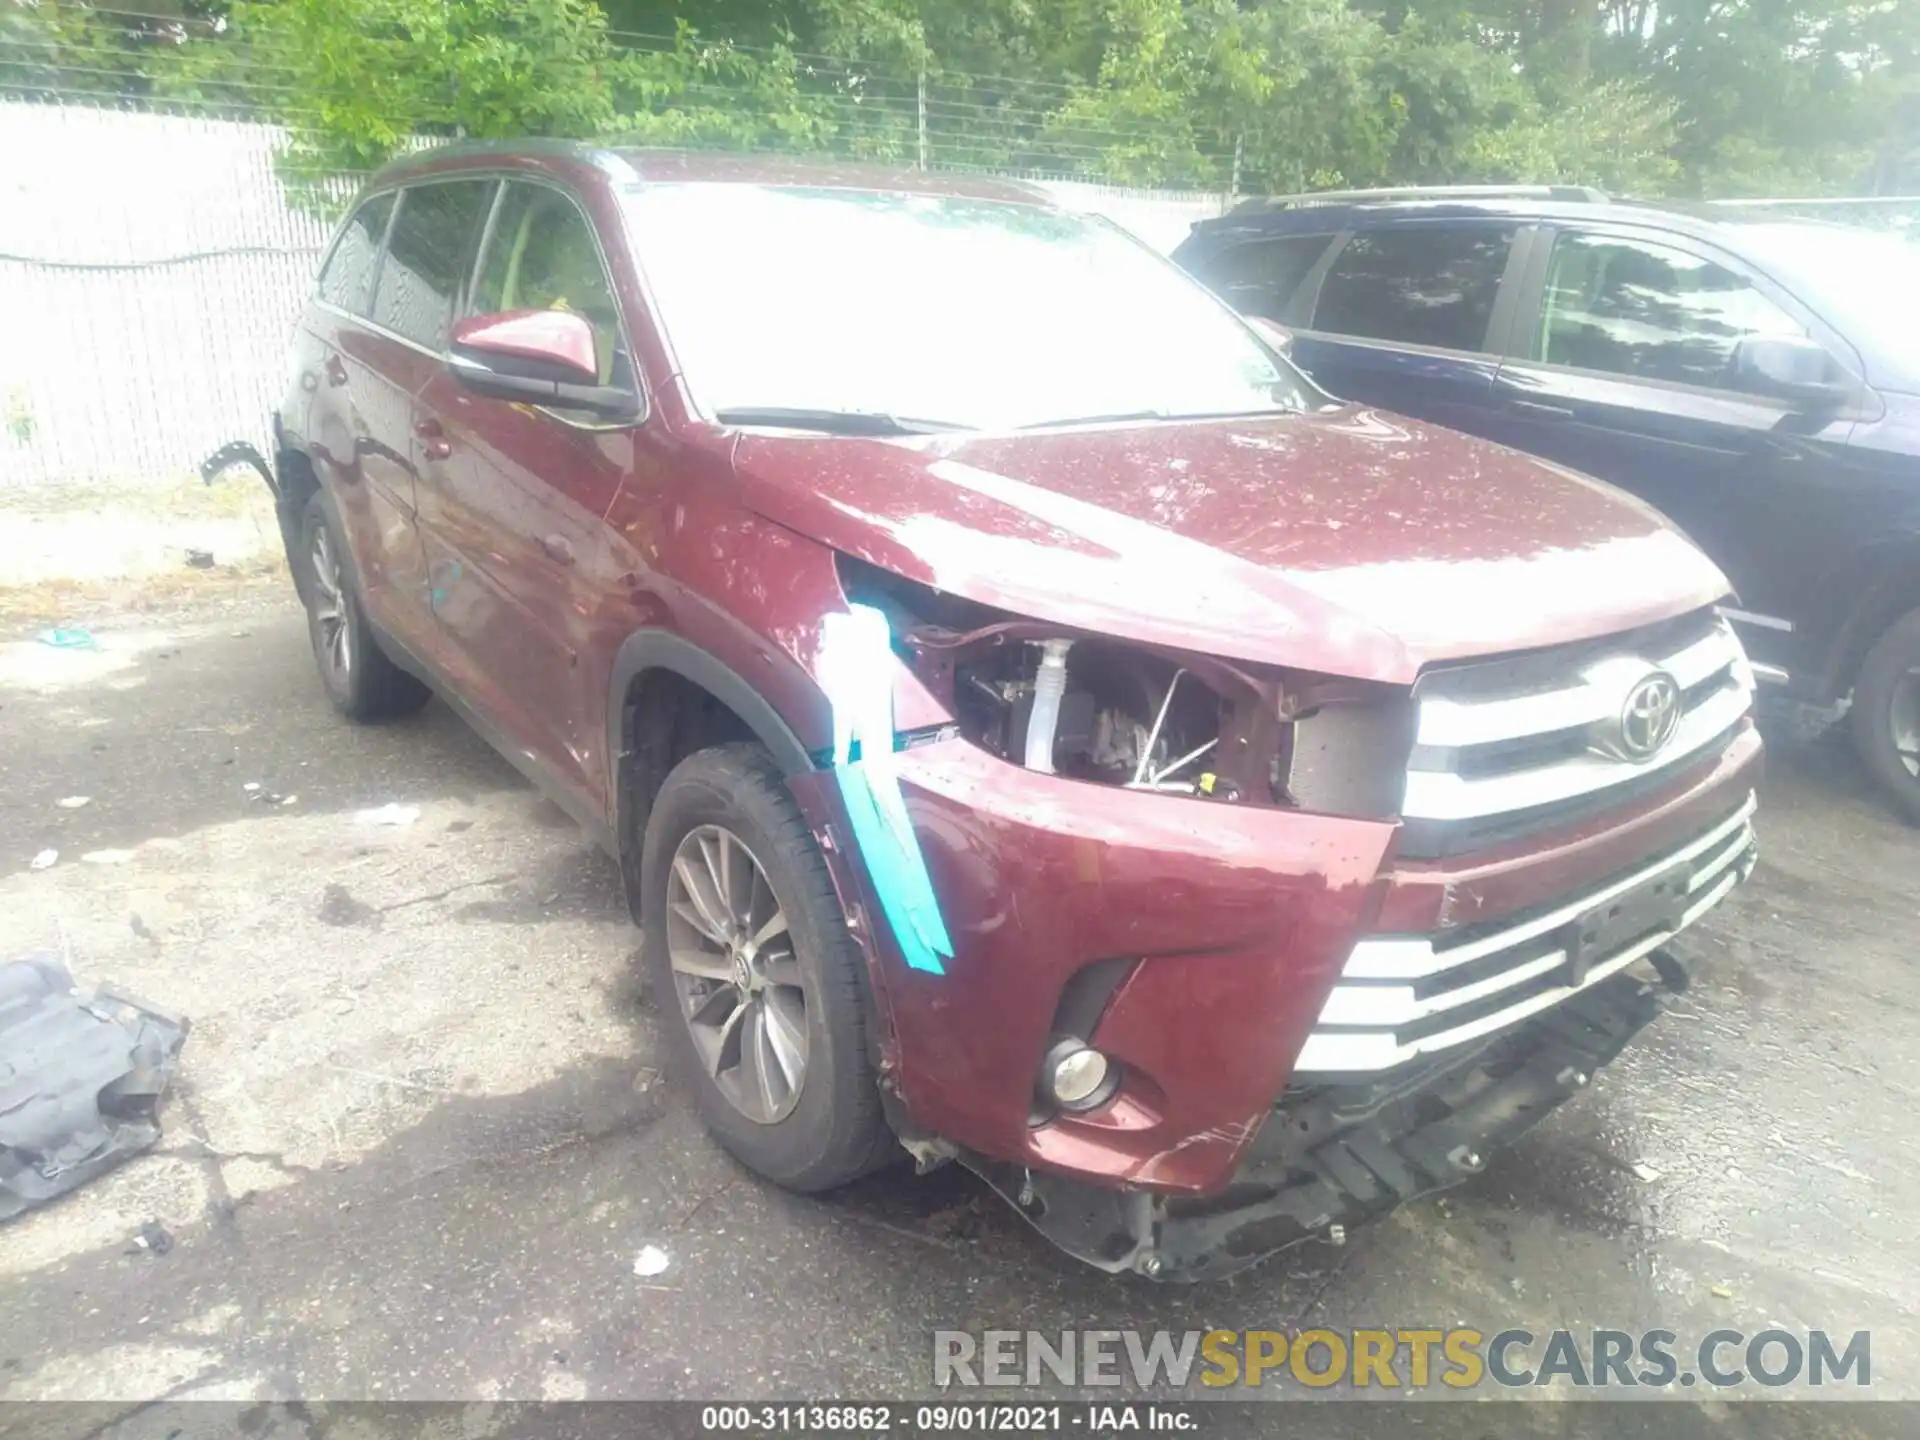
point(1036, 727)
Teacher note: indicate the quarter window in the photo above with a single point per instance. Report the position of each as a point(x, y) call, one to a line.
point(1632, 308)
point(433, 238)
point(347, 278)
point(1260, 276)
point(1416, 285)
point(541, 255)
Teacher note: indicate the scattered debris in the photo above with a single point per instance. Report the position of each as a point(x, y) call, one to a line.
point(1723, 1292)
point(73, 802)
point(153, 1238)
point(81, 1090)
point(651, 1260)
point(1644, 1171)
point(251, 786)
point(199, 559)
point(269, 797)
point(69, 637)
point(107, 857)
point(391, 814)
point(339, 907)
point(45, 860)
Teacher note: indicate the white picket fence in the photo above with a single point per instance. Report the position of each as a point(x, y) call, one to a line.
point(151, 267)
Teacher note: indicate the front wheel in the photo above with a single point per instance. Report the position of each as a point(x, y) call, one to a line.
point(756, 978)
point(1886, 713)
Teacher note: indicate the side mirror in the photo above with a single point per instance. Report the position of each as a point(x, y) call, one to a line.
point(1275, 334)
point(538, 357)
point(1791, 368)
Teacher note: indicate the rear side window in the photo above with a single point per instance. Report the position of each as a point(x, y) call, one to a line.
point(347, 278)
point(1630, 307)
point(427, 255)
point(1259, 277)
point(1420, 285)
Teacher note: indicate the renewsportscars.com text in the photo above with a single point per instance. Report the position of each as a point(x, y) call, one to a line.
point(1404, 1359)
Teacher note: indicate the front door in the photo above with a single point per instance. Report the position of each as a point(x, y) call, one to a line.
point(513, 500)
point(1628, 373)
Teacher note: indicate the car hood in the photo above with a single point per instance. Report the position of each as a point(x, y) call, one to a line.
point(1350, 542)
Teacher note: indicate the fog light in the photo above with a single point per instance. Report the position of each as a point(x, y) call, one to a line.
point(1075, 1076)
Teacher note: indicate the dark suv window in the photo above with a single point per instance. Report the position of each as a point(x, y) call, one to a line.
point(1260, 276)
point(347, 280)
point(1419, 285)
point(1631, 307)
point(427, 254)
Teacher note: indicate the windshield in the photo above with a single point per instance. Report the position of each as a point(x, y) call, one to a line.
point(1869, 279)
point(936, 310)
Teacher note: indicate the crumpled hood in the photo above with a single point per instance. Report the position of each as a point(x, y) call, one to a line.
point(1352, 542)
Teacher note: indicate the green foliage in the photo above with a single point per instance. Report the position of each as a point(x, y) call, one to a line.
point(1646, 96)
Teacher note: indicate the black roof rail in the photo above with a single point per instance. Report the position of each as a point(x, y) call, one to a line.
point(1583, 194)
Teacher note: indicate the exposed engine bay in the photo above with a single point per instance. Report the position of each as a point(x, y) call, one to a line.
point(1113, 712)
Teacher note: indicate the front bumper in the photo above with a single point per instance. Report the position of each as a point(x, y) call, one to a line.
point(1339, 1155)
point(1230, 925)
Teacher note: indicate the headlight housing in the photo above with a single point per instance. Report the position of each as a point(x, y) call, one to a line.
point(1138, 716)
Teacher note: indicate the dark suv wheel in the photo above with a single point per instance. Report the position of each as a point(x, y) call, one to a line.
point(362, 682)
point(761, 989)
point(1886, 713)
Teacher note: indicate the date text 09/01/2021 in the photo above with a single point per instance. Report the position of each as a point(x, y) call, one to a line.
point(933, 1419)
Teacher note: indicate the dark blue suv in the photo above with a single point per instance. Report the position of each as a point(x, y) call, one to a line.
point(1754, 376)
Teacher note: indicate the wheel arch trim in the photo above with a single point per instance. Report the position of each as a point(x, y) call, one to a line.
point(1890, 587)
point(654, 649)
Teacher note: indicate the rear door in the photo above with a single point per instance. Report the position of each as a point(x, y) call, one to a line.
point(358, 422)
point(1407, 317)
point(1626, 342)
point(512, 500)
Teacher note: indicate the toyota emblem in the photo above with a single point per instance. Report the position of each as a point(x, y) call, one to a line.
point(1649, 717)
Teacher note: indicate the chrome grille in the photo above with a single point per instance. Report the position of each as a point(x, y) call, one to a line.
point(1500, 742)
point(1399, 997)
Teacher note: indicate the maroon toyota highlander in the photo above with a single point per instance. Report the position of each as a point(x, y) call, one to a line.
point(1035, 726)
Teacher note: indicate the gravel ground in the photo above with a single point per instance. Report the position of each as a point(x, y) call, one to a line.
point(419, 1135)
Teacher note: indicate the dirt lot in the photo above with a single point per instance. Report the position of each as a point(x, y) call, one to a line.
point(419, 1136)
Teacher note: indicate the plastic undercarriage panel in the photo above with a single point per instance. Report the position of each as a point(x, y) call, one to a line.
point(81, 1073)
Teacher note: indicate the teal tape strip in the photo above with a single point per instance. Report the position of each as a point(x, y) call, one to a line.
point(855, 669)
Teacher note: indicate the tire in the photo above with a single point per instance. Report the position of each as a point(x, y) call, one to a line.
point(828, 1128)
point(360, 679)
point(1886, 713)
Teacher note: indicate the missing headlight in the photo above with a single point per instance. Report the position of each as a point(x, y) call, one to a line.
point(1136, 716)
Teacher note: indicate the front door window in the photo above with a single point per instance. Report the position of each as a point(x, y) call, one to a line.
point(1630, 307)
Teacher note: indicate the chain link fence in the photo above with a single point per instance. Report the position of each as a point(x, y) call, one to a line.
point(151, 270)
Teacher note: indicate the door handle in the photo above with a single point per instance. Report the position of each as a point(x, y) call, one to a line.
point(557, 548)
point(336, 371)
point(1541, 409)
point(437, 447)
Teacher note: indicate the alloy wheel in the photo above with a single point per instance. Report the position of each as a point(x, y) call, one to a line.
point(333, 640)
point(740, 987)
point(1903, 715)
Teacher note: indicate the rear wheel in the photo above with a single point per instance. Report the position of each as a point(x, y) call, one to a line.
point(362, 682)
point(1886, 713)
point(759, 985)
